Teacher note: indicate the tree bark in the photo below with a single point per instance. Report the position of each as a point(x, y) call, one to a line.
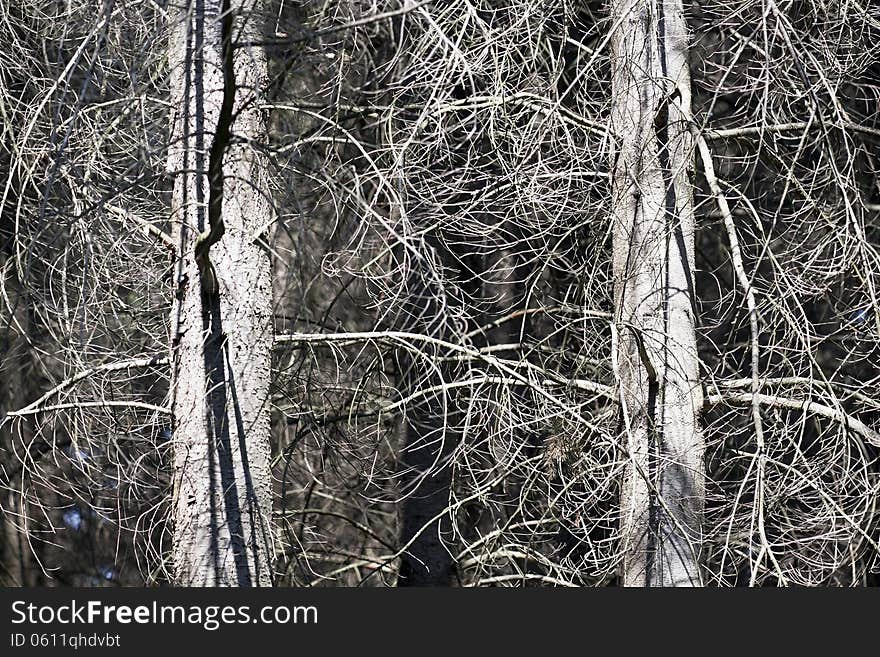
point(662, 492)
point(222, 324)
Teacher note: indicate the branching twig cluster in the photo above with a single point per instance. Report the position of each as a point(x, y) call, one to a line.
point(442, 184)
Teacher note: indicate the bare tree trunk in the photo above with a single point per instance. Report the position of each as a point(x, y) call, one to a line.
point(662, 493)
point(425, 521)
point(18, 565)
point(431, 433)
point(222, 318)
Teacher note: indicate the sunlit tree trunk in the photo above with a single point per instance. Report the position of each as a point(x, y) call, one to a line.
point(662, 493)
point(222, 326)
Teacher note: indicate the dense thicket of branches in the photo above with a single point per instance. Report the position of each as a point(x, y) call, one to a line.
point(441, 178)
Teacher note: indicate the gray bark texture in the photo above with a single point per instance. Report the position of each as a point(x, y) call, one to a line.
point(662, 493)
point(222, 324)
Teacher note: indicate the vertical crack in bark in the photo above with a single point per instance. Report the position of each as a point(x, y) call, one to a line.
point(223, 132)
point(219, 146)
point(655, 427)
point(220, 382)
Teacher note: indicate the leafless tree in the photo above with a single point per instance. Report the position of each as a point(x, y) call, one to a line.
point(222, 324)
point(655, 351)
point(505, 292)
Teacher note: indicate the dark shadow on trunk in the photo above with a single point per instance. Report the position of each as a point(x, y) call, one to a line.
point(256, 522)
point(220, 446)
